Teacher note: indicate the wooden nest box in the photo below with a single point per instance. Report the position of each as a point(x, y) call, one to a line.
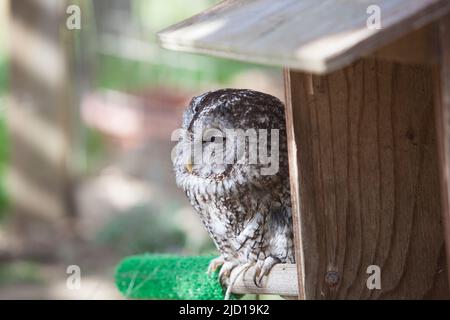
point(368, 118)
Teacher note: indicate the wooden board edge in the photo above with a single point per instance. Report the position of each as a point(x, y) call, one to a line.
point(294, 184)
point(442, 114)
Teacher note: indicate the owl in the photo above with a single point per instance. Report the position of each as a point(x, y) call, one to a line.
point(243, 202)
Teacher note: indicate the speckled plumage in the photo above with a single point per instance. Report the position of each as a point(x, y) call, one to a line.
point(247, 214)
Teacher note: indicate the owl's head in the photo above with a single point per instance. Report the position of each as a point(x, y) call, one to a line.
point(223, 137)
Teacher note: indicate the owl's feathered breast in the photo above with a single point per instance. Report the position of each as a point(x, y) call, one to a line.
point(242, 215)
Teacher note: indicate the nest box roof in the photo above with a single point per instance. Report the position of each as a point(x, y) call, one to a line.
point(310, 35)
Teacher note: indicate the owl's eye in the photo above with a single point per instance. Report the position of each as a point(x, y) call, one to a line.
point(213, 135)
point(218, 139)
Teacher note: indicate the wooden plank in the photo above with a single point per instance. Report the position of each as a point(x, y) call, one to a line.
point(442, 86)
point(294, 184)
point(418, 47)
point(301, 35)
point(282, 280)
point(367, 190)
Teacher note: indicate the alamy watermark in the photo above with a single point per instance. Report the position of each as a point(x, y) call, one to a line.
point(374, 19)
point(374, 280)
point(214, 147)
point(73, 281)
point(73, 21)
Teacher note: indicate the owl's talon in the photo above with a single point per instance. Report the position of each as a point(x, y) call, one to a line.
point(225, 272)
point(215, 264)
point(257, 275)
point(262, 268)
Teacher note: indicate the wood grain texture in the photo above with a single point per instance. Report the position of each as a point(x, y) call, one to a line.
point(442, 85)
point(282, 280)
point(364, 144)
point(309, 35)
point(294, 184)
point(418, 47)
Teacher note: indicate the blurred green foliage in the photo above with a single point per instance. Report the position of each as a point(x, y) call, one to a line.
point(94, 149)
point(164, 67)
point(157, 14)
point(123, 74)
point(142, 228)
point(19, 272)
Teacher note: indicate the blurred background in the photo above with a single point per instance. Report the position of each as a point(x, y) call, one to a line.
point(85, 122)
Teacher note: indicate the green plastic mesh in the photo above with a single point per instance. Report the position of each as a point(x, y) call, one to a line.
point(168, 277)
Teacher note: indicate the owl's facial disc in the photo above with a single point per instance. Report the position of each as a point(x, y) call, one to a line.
point(207, 159)
point(205, 154)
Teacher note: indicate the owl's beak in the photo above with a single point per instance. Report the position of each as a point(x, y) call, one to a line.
point(189, 166)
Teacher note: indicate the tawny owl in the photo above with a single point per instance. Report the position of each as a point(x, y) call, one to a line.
point(244, 203)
